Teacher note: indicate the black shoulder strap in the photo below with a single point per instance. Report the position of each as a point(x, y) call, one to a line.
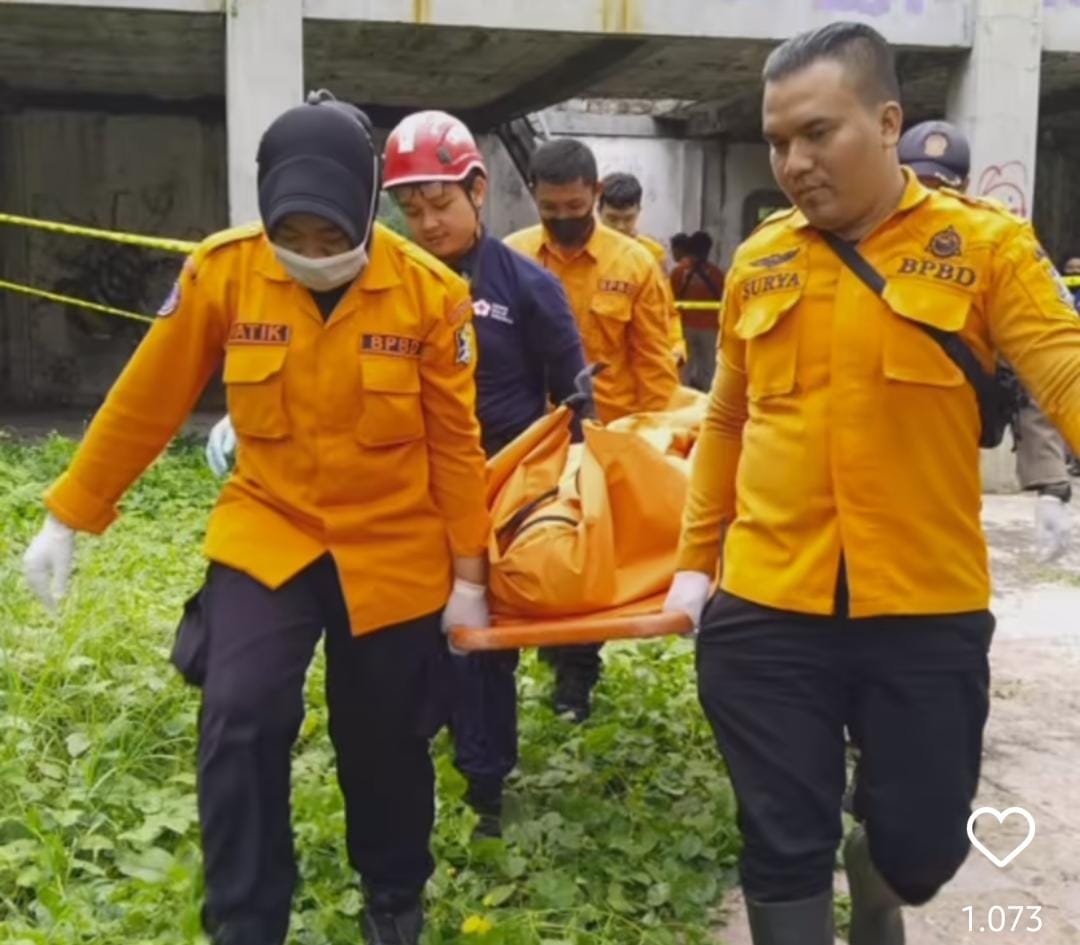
point(960, 354)
point(701, 270)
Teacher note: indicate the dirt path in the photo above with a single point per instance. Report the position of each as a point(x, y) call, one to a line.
point(1032, 756)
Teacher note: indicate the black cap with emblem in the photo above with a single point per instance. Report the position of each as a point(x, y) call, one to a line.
point(319, 158)
point(938, 150)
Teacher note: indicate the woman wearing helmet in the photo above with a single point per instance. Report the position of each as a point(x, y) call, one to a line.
point(530, 352)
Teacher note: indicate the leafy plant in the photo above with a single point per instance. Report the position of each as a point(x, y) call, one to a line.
point(618, 831)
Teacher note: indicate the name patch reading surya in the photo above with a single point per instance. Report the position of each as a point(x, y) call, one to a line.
point(391, 344)
point(763, 285)
point(258, 333)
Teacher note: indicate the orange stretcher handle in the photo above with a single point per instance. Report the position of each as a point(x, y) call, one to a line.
point(563, 632)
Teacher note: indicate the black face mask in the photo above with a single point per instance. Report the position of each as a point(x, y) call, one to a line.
point(570, 231)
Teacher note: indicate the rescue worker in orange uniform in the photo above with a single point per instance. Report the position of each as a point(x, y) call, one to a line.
point(837, 476)
point(356, 509)
point(618, 297)
point(939, 154)
point(619, 207)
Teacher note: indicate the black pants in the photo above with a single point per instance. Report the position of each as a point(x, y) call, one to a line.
point(483, 715)
point(581, 661)
point(386, 694)
point(779, 690)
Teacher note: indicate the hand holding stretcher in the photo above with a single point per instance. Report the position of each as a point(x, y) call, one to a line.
point(584, 536)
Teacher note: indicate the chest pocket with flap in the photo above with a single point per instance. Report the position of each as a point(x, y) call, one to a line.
point(255, 390)
point(768, 327)
point(909, 354)
point(390, 409)
point(609, 315)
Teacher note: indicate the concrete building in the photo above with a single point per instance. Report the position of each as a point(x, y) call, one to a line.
point(144, 116)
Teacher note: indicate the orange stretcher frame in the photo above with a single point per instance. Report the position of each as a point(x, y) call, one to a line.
point(596, 628)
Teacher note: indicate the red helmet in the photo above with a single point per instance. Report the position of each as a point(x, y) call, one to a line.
point(430, 146)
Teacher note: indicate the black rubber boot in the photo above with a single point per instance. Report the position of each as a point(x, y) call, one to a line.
point(485, 797)
point(572, 694)
point(402, 927)
point(875, 908)
point(804, 922)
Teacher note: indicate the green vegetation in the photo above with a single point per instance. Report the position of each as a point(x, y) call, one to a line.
point(619, 831)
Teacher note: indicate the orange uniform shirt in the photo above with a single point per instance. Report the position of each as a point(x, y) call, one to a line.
point(616, 293)
point(357, 435)
point(675, 328)
point(836, 425)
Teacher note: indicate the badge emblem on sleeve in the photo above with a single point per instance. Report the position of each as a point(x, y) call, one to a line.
point(946, 244)
point(464, 339)
point(172, 301)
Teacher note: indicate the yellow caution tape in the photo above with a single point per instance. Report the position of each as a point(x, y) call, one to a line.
point(698, 306)
point(130, 239)
point(68, 300)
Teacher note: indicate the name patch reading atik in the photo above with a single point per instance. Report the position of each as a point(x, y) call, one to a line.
point(258, 333)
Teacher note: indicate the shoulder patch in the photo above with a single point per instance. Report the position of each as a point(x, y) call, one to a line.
point(465, 344)
point(172, 301)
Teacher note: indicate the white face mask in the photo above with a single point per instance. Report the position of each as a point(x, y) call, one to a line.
point(322, 275)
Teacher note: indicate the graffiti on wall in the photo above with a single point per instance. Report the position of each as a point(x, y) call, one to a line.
point(124, 277)
point(1007, 183)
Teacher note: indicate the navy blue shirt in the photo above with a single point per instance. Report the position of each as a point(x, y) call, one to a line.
point(529, 347)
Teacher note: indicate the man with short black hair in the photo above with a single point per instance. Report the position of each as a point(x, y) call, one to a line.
point(620, 208)
point(680, 245)
point(837, 476)
point(618, 297)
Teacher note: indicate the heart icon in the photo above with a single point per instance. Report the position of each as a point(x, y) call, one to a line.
point(1001, 816)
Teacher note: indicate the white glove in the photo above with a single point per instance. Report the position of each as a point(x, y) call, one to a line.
point(1051, 527)
point(467, 607)
point(221, 447)
point(47, 562)
point(688, 594)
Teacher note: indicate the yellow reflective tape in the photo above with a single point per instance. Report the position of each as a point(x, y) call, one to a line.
point(698, 306)
point(68, 300)
point(130, 239)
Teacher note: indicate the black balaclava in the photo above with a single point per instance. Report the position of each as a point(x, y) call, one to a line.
point(319, 158)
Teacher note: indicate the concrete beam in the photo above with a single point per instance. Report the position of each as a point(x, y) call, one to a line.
point(929, 23)
point(264, 75)
point(995, 98)
point(153, 6)
point(1061, 25)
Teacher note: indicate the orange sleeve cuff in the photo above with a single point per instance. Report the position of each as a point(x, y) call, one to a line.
point(77, 507)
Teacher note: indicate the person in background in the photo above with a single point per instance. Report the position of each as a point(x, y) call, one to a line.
point(939, 154)
point(356, 514)
point(617, 294)
point(697, 280)
point(620, 208)
point(680, 246)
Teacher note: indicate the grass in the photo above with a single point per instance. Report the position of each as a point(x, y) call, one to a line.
point(619, 831)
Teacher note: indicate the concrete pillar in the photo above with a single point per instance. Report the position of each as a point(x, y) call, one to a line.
point(994, 97)
point(264, 75)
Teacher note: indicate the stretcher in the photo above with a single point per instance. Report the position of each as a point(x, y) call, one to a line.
point(584, 535)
